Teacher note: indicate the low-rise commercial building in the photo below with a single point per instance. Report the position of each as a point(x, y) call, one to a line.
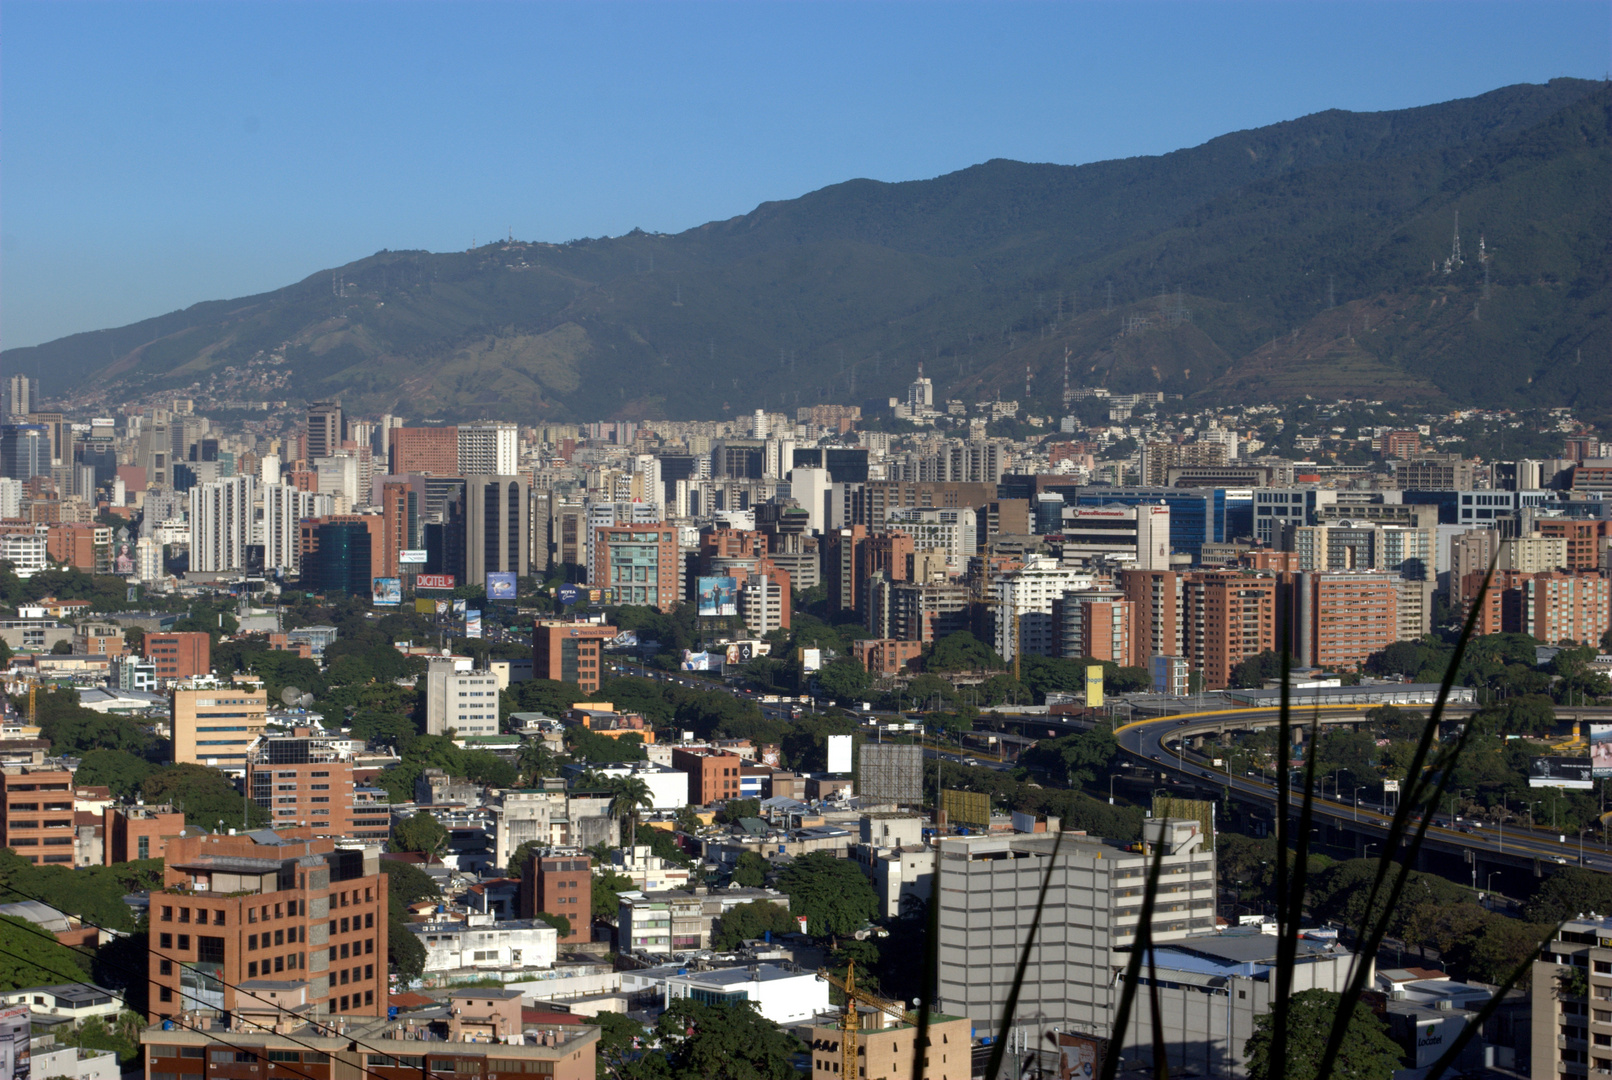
point(484, 944)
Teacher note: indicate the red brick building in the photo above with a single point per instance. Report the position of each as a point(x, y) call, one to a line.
point(433, 450)
point(713, 776)
point(36, 814)
point(138, 832)
point(180, 655)
point(560, 885)
point(1227, 618)
point(234, 909)
point(569, 652)
point(83, 547)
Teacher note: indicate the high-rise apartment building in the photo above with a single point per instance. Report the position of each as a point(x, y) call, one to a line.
point(240, 919)
point(1155, 597)
point(432, 450)
point(20, 394)
point(36, 813)
point(1099, 623)
point(639, 562)
point(284, 508)
point(1093, 900)
point(338, 556)
point(179, 655)
point(400, 526)
point(1138, 535)
point(1226, 618)
point(498, 528)
point(488, 449)
point(24, 451)
point(1556, 607)
point(1344, 616)
point(215, 724)
point(1435, 472)
point(1365, 545)
point(1024, 600)
point(325, 429)
point(221, 514)
point(570, 652)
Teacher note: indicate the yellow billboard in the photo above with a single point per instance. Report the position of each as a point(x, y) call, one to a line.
point(966, 808)
point(1094, 686)
point(425, 607)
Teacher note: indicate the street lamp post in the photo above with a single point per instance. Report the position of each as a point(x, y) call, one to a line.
point(1110, 789)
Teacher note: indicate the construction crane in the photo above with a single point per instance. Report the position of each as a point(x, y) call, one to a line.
point(849, 1022)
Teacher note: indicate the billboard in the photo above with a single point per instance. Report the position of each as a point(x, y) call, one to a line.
point(15, 1040)
point(472, 624)
point(700, 661)
point(1200, 810)
point(425, 607)
point(434, 581)
point(1561, 772)
point(458, 609)
point(1080, 1057)
point(386, 591)
point(412, 556)
point(1094, 686)
point(1601, 750)
point(1433, 1037)
point(122, 558)
point(839, 753)
point(971, 808)
point(568, 594)
point(743, 652)
point(811, 660)
point(500, 585)
point(717, 596)
point(891, 773)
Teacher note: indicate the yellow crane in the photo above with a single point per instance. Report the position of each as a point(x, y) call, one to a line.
point(850, 1023)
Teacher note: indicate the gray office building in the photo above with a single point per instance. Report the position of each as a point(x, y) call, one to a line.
point(988, 887)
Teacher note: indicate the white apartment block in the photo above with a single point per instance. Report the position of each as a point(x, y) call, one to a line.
point(483, 944)
point(25, 553)
point(221, 524)
point(461, 700)
point(283, 507)
point(1024, 604)
point(488, 449)
point(938, 528)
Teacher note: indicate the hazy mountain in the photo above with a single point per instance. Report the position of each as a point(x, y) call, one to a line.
point(1304, 257)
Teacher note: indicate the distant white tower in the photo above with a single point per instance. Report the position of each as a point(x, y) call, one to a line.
point(920, 392)
point(760, 424)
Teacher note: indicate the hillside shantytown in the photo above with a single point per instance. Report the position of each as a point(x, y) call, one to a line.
point(340, 741)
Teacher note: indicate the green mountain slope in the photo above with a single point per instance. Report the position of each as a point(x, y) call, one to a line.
point(1305, 257)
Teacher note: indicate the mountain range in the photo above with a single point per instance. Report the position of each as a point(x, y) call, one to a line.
point(1455, 254)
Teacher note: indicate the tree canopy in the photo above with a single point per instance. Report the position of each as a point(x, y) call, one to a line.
point(833, 894)
point(1367, 1052)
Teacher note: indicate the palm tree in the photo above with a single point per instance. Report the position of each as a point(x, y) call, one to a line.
point(536, 761)
point(627, 795)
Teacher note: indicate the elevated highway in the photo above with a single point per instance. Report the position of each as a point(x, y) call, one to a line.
point(1160, 744)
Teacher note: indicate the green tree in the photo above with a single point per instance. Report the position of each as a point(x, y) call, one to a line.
point(204, 795)
point(628, 795)
point(750, 922)
point(607, 890)
point(64, 647)
point(1568, 893)
point(29, 957)
point(833, 894)
point(559, 922)
point(845, 679)
point(116, 769)
point(751, 870)
point(1367, 1052)
point(1077, 759)
point(719, 1042)
point(616, 1050)
point(521, 856)
point(734, 809)
point(422, 833)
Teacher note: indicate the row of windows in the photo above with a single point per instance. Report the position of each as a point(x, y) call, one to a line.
point(202, 915)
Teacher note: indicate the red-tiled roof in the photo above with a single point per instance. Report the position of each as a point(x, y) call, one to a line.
point(543, 1016)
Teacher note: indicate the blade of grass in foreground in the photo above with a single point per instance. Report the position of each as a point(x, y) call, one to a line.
point(1133, 968)
point(930, 988)
point(1286, 906)
point(1368, 943)
point(1000, 1049)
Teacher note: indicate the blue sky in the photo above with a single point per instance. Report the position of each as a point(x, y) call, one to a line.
point(155, 155)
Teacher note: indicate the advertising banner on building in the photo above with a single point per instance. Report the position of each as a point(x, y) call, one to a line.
point(741, 652)
point(717, 596)
point(1094, 686)
point(811, 660)
point(1601, 750)
point(122, 558)
point(1561, 772)
point(839, 753)
point(434, 581)
point(472, 624)
point(500, 585)
point(1080, 1057)
point(1433, 1037)
point(568, 594)
point(15, 1039)
point(412, 556)
point(458, 609)
point(971, 808)
point(700, 661)
point(386, 591)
